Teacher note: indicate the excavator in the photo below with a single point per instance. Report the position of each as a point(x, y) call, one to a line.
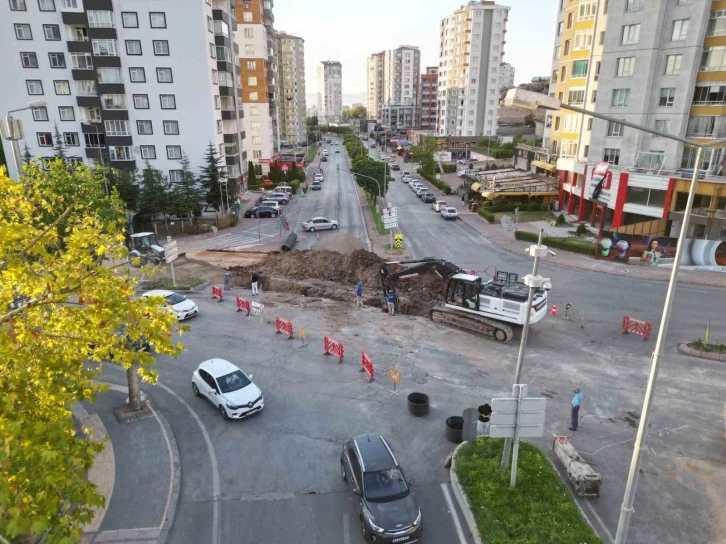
point(484, 308)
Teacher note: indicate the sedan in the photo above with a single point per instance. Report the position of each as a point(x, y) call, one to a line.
point(428, 198)
point(316, 186)
point(324, 159)
point(319, 177)
point(319, 223)
point(449, 213)
point(263, 211)
point(337, 150)
point(282, 198)
point(182, 307)
point(229, 389)
point(421, 190)
point(439, 205)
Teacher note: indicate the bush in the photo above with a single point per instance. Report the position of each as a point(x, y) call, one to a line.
point(486, 214)
point(544, 206)
point(295, 184)
point(533, 206)
point(449, 168)
point(561, 221)
point(582, 230)
point(566, 244)
point(441, 185)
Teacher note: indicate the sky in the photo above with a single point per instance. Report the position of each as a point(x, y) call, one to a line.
point(349, 32)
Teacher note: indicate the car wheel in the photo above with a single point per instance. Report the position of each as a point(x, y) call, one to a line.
point(223, 412)
point(195, 389)
point(342, 471)
point(273, 215)
point(334, 227)
point(311, 229)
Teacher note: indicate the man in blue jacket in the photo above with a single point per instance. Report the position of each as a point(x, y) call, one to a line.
point(359, 294)
point(576, 401)
point(391, 299)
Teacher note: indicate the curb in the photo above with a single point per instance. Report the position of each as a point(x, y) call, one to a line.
point(176, 479)
point(686, 350)
point(462, 500)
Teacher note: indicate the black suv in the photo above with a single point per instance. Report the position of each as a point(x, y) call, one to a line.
point(388, 510)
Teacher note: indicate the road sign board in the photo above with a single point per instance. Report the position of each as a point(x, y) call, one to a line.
point(394, 376)
point(390, 226)
point(568, 306)
point(389, 219)
point(384, 214)
point(171, 252)
point(504, 417)
point(390, 223)
point(391, 209)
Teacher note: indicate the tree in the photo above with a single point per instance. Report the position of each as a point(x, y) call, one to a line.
point(59, 144)
point(251, 174)
point(529, 120)
point(27, 157)
point(358, 112)
point(154, 194)
point(125, 182)
point(423, 154)
point(61, 305)
point(293, 173)
point(312, 122)
point(212, 177)
point(186, 196)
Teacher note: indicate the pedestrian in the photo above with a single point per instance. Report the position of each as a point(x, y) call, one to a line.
point(576, 401)
point(227, 279)
point(391, 298)
point(359, 294)
point(255, 283)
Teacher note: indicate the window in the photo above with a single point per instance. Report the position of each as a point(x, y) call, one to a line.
point(589, 124)
point(625, 67)
point(71, 139)
point(558, 50)
point(634, 5)
point(18, 5)
point(109, 75)
point(559, 28)
point(45, 139)
point(133, 47)
point(611, 155)
point(579, 68)
point(701, 126)
point(117, 128)
point(256, 140)
point(583, 39)
point(175, 176)
point(22, 32)
point(157, 19)
point(66, 113)
point(615, 130)
point(141, 101)
point(120, 153)
point(587, 10)
point(249, 33)
point(81, 61)
point(602, 37)
point(173, 152)
point(70, 4)
point(168, 101)
point(646, 197)
point(557, 123)
point(212, 50)
point(161, 47)
point(217, 102)
point(247, 16)
point(129, 19)
point(576, 98)
point(144, 128)
point(40, 114)
point(571, 123)
point(113, 101)
point(249, 48)
point(252, 65)
point(673, 65)
point(662, 125)
point(52, 33)
point(593, 97)
point(94, 140)
point(137, 75)
point(252, 80)
point(100, 19)
point(86, 88)
point(57, 60)
point(255, 125)
point(163, 75)
point(256, 154)
point(105, 48)
point(254, 96)
point(34, 86)
point(713, 59)
point(680, 30)
point(620, 98)
point(568, 149)
point(667, 97)
point(171, 127)
point(46, 5)
point(29, 60)
point(147, 151)
point(709, 95)
point(215, 77)
point(563, 73)
point(717, 23)
point(570, 17)
point(630, 35)
point(219, 126)
point(567, 47)
point(254, 110)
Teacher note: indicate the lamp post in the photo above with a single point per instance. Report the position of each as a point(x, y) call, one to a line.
point(15, 138)
point(520, 98)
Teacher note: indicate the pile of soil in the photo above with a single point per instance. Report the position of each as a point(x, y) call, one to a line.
point(341, 242)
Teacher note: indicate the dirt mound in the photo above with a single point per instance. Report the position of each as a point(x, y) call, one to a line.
point(340, 242)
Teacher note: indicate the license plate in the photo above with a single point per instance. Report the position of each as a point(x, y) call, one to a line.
point(402, 539)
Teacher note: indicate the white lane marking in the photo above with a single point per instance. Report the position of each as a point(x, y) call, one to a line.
point(360, 208)
point(454, 516)
point(346, 529)
point(600, 522)
point(213, 462)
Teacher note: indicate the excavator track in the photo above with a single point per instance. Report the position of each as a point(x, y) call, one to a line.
point(480, 326)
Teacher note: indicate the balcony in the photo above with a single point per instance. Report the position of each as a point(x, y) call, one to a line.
point(267, 11)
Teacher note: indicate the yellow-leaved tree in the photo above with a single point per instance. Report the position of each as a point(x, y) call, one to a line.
point(66, 305)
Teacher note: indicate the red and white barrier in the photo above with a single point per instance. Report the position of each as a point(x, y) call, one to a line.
point(217, 292)
point(332, 347)
point(367, 365)
point(636, 326)
point(243, 305)
point(283, 326)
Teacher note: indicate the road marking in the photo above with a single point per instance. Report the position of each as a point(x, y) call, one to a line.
point(346, 529)
point(213, 462)
point(600, 522)
point(454, 516)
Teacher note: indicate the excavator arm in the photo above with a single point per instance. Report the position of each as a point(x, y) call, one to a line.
point(426, 266)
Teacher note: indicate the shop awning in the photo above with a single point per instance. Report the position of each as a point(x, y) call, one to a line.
point(475, 187)
point(545, 166)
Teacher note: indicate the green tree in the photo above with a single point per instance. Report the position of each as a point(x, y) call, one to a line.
point(126, 184)
point(529, 120)
point(211, 178)
point(59, 145)
point(251, 174)
point(293, 173)
point(358, 112)
point(27, 157)
point(312, 122)
point(154, 193)
point(186, 196)
point(423, 154)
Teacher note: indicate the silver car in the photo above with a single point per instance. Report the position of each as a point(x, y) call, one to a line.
point(439, 205)
point(449, 213)
point(319, 223)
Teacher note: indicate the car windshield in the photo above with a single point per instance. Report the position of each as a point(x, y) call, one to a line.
point(175, 298)
point(232, 382)
point(385, 485)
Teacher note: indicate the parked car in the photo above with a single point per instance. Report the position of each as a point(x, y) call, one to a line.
point(282, 198)
point(428, 198)
point(449, 213)
point(324, 158)
point(316, 186)
point(263, 211)
point(406, 173)
point(325, 152)
point(382, 156)
point(337, 150)
point(182, 307)
point(421, 191)
point(439, 205)
point(274, 204)
point(406, 178)
point(319, 223)
point(387, 507)
point(319, 177)
point(283, 189)
point(373, 146)
point(395, 166)
point(229, 389)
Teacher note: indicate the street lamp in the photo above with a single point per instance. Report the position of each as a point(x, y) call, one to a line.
point(523, 99)
point(10, 129)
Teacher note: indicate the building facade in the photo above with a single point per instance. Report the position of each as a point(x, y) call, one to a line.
point(291, 97)
point(401, 84)
point(125, 82)
point(471, 51)
point(429, 98)
point(330, 92)
point(507, 75)
point(375, 84)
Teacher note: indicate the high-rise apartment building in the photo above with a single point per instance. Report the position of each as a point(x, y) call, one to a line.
point(330, 92)
point(291, 79)
point(375, 79)
point(125, 82)
point(507, 75)
point(401, 86)
point(470, 56)
point(429, 98)
point(258, 73)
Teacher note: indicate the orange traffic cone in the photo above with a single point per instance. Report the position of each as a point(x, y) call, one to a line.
point(554, 309)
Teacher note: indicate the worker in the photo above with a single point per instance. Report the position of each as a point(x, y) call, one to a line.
point(359, 294)
point(255, 283)
point(391, 299)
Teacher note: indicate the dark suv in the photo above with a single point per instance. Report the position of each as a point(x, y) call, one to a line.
point(388, 510)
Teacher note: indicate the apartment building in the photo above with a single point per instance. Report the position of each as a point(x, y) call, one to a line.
point(291, 97)
point(507, 75)
point(330, 92)
point(258, 75)
point(471, 51)
point(401, 86)
point(125, 82)
point(429, 98)
point(375, 84)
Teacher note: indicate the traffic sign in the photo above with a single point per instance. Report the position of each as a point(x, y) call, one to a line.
point(171, 252)
point(394, 376)
point(388, 219)
point(391, 210)
point(390, 226)
point(504, 417)
point(384, 214)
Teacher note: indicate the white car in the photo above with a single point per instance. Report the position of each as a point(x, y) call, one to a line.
point(406, 173)
point(286, 189)
point(439, 205)
point(229, 389)
point(449, 213)
point(319, 223)
point(182, 307)
point(382, 156)
point(318, 177)
point(406, 178)
point(416, 185)
point(422, 190)
point(271, 204)
point(325, 152)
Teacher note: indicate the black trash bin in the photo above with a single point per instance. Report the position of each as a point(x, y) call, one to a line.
point(418, 404)
point(455, 429)
point(485, 412)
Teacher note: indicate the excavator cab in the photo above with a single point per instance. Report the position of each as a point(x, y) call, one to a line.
point(463, 291)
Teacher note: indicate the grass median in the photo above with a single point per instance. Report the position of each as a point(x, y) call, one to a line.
point(540, 509)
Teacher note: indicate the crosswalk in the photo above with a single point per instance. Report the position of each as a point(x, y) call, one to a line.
point(236, 240)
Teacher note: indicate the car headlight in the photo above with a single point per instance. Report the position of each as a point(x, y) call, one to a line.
point(369, 519)
point(418, 519)
point(232, 406)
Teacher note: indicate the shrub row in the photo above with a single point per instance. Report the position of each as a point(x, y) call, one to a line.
point(449, 168)
point(442, 185)
point(566, 244)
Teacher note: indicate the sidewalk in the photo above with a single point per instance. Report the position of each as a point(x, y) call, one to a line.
point(138, 472)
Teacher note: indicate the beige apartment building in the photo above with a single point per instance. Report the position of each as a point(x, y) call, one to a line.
point(291, 97)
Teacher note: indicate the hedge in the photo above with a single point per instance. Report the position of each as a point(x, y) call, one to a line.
point(566, 244)
point(486, 214)
point(442, 185)
point(449, 168)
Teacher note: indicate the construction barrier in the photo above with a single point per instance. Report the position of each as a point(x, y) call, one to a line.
point(554, 309)
point(243, 305)
point(367, 365)
point(636, 326)
point(332, 347)
point(283, 326)
point(217, 292)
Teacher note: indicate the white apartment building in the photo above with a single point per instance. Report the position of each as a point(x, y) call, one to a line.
point(471, 53)
point(507, 75)
point(375, 84)
point(330, 92)
point(402, 80)
point(291, 97)
point(126, 82)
